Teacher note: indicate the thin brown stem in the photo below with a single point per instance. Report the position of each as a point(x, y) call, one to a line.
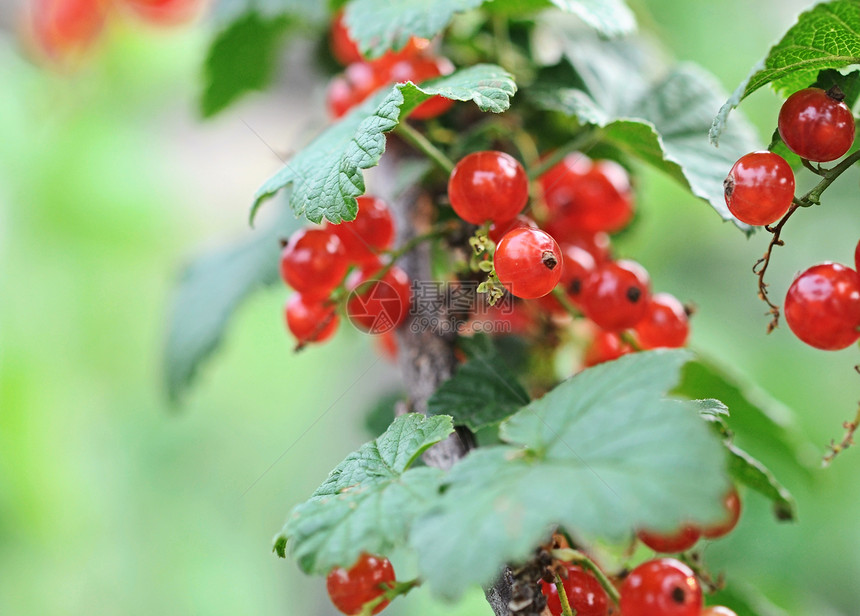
point(760, 267)
point(834, 448)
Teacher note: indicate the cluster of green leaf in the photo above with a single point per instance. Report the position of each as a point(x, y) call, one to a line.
point(603, 453)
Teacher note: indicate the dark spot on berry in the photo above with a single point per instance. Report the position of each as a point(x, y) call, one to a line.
point(836, 93)
point(575, 286)
point(283, 242)
point(634, 294)
point(678, 595)
point(548, 259)
point(729, 186)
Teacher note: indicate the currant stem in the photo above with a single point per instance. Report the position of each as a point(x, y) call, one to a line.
point(760, 267)
point(582, 142)
point(834, 449)
point(813, 197)
point(395, 590)
point(566, 610)
point(562, 298)
point(569, 555)
point(417, 140)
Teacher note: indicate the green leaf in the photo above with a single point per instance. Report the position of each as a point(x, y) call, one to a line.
point(602, 454)
point(210, 290)
point(483, 391)
point(326, 176)
point(380, 25)
point(241, 59)
point(747, 470)
point(608, 17)
point(369, 500)
point(763, 424)
point(663, 122)
point(827, 36)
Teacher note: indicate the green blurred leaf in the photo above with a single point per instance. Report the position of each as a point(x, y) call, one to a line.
point(241, 59)
point(483, 390)
point(662, 122)
point(826, 36)
point(380, 25)
point(369, 500)
point(747, 470)
point(208, 293)
point(326, 176)
point(754, 415)
point(603, 453)
point(378, 417)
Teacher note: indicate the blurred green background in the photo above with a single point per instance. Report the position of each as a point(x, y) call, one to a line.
point(113, 503)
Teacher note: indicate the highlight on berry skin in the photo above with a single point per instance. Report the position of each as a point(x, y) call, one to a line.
point(817, 125)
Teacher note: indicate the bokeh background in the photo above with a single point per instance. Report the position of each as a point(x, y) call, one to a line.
point(113, 502)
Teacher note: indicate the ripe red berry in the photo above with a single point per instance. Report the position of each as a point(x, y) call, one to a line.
point(759, 188)
point(718, 610)
point(310, 320)
point(822, 306)
point(370, 233)
point(665, 324)
point(857, 257)
point(616, 295)
point(378, 306)
point(165, 12)
point(368, 579)
point(420, 68)
point(606, 346)
point(588, 196)
point(66, 28)
point(359, 81)
point(584, 593)
point(662, 587)
point(815, 125)
point(679, 541)
point(578, 264)
point(498, 230)
point(313, 262)
point(732, 503)
point(488, 186)
point(528, 262)
point(343, 48)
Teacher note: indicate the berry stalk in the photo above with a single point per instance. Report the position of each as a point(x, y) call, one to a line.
point(569, 555)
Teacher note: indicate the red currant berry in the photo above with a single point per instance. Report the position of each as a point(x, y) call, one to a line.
point(528, 262)
point(815, 125)
point(732, 503)
point(584, 593)
point(718, 610)
point(857, 257)
point(359, 81)
point(589, 196)
point(165, 12)
point(679, 541)
point(371, 232)
point(417, 69)
point(616, 295)
point(578, 264)
point(66, 28)
point(343, 48)
point(662, 587)
point(759, 188)
point(822, 306)
point(498, 229)
point(606, 346)
point(368, 579)
point(313, 262)
point(379, 306)
point(486, 186)
point(665, 324)
point(310, 320)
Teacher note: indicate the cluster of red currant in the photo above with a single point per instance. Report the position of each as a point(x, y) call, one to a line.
point(659, 587)
point(315, 261)
point(414, 63)
point(64, 29)
point(584, 201)
point(822, 306)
